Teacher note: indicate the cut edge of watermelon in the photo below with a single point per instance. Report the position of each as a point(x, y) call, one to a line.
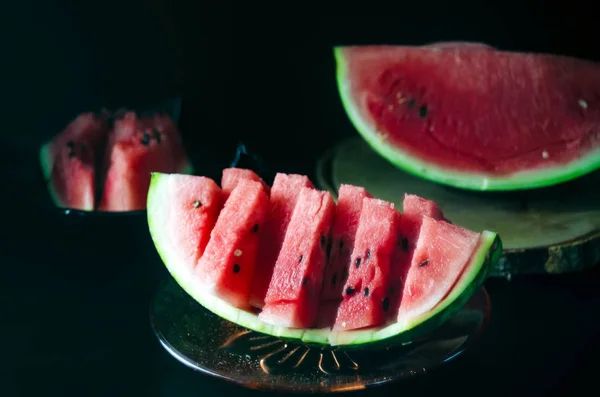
point(475, 273)
point(527, 179)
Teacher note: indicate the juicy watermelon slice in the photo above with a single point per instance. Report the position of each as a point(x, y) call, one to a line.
point(474, 117)
point(227, 265)
point(367, 300)
point(231, 176)
point(195, 204)
point(136, 148)
point(292, 299)
point(284, 195)
point(416, 321)
point(73, 179)
point(414, 208)
point(343, 232)
point(69, 162)
point(442, 252)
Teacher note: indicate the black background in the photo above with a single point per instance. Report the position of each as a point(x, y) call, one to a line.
point(74, 293)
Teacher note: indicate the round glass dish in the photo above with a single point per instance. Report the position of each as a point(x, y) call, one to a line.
point(214, 346)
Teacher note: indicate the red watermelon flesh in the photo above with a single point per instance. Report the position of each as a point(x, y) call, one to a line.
point(73, 178)
point(231, 176)
point(163, 128)
point(133, 152)
point(228, 264)
point(194, 205)
point(413, 210)
point(292, 299)
point(69, 162)
point(366, 301)
point(87, 129)
point(439, 258)
point(283, 198)
point(343, 231)
point(474, 109)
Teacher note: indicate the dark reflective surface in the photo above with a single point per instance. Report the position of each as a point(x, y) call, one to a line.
point(213, 346)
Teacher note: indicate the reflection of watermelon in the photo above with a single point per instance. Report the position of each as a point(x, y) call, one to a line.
point(91, 166)
point(474, 117)
point(448, 264)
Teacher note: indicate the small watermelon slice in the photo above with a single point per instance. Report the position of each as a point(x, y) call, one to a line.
point(69, 162)
point(292, 299)
point(135, 149)
point(227, 265)
point(441, 254)
point(284, 195)
point(366, 300)
point(343, 232)
point(231, 176)
point(474, 117)
point(73, 179)
point(462, 261)
point(195, 203)
point(414, 208)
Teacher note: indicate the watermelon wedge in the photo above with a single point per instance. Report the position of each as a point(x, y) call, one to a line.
point(474, 117)
point(69, 162)
point(458, 263)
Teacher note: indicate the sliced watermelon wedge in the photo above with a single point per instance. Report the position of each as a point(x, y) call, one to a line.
point(474, 117)
point(467, 273)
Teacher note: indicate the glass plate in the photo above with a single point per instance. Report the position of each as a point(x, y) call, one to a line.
point(214, 346)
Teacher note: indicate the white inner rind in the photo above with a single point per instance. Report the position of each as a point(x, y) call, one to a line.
point(473, 180)
point(184, 275)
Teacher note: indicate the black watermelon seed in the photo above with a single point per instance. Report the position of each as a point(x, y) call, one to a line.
point(424, 263)
point(300, 260)
point(197, 203)
point(357, 262)
point(156, 134)
point(423, 111)
point(350, 291)
point(70, 144)
point(341, 244)
point(334, 279)
point(405, 244)
point(368, 254)
point(385, 304)
point(328, 248)
point(145, 139)
point(236, 268)
point(304, 281)
point(391, 289)
point(255, 228)
point(411, 104)
point(323, 241)
point(71, 154)
point(83, 148)
point(366, 291)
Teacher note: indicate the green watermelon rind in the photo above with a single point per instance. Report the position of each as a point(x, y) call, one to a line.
point(476, 271)
point(46, 163)
point(402, 159)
